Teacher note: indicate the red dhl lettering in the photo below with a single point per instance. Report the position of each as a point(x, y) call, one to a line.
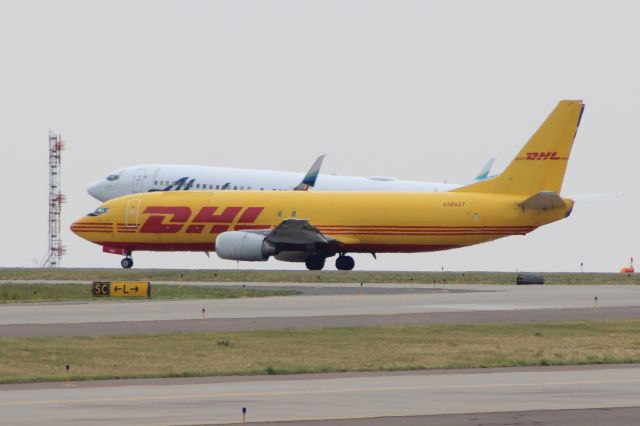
point(453, 204)
point(173, 219)
point(155, 223)
point(545, 155)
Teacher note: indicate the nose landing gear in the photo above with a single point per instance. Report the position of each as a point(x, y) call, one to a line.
point(127, 262)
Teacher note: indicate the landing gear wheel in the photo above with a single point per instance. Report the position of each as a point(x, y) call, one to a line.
point(345, 263)
point(127, 262)
point(315, 262)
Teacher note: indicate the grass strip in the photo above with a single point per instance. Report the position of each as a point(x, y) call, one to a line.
point(10, 292)
point(319, 350)
point(306, 276)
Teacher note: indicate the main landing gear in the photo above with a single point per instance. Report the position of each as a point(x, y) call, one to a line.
point(315, 262)
point(127, 262)
point(345, 263)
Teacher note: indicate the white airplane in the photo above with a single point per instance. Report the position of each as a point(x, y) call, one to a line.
point(173, 177)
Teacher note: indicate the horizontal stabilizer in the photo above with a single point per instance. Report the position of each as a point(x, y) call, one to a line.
point(543, 201)
point(597, 197)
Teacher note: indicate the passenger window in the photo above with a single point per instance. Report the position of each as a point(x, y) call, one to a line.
point(217, 186)
point(235, 187)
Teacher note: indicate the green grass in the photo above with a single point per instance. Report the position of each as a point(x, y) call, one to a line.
point(46, 292)
point(319, 350)
point(306, 276)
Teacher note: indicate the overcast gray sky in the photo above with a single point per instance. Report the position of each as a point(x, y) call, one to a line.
point(424, 90)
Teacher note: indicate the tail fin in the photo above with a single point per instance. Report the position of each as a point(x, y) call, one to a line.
point(542, 162)
point(484, 173)
point(309, 180)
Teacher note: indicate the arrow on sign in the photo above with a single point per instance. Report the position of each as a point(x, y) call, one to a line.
point(134, 289)
point(117, 288)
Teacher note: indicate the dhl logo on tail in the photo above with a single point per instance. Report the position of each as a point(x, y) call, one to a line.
point(541, 156)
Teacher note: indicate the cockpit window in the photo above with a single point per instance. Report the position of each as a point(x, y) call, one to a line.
point(111, 178)
point(99, 211)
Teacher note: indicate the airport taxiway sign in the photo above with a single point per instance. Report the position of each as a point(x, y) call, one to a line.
point(121, 288)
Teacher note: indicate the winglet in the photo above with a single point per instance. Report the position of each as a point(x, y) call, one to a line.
point(484, 173)
point(310, 178)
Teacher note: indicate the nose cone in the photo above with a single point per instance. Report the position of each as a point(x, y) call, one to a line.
point(97, 191)
point(80, 227)
point(92, 230)
point(76, 227)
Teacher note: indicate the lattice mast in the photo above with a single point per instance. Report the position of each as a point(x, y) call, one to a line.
point(56, 199)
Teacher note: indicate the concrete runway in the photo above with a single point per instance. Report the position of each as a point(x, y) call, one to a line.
point(548, 395)
point(625, 416)
point(309, 289)
point(483, 298)
point(318, 397)
point(122, 328)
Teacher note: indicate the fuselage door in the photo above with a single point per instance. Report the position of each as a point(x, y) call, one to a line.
point(132, 212)
point(138, 180)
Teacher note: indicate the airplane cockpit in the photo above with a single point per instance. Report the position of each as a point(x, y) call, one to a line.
point(110, 187)
point(98, 212)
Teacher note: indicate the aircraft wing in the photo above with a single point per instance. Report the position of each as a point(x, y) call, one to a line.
point(309, 180)
point(295, 232)
point(298, 232)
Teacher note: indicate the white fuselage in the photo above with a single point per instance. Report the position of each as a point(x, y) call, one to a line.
point(172, 177)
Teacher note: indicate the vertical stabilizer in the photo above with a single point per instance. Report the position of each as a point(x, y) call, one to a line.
point(309, 180)
point(541, 164)
point(484, 173)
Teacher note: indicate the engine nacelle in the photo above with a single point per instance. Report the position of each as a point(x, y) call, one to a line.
point(241, 245)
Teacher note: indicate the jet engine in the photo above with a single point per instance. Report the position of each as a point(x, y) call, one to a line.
point(242, 245)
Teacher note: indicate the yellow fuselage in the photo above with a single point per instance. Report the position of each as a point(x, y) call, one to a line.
point(362, 222)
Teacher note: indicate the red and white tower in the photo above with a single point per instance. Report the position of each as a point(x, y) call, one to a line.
point(56, 249)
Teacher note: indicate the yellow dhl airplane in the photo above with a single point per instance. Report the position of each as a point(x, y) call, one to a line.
point(300, 226)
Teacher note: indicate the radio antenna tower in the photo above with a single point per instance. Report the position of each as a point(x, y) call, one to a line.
point(56, 249)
